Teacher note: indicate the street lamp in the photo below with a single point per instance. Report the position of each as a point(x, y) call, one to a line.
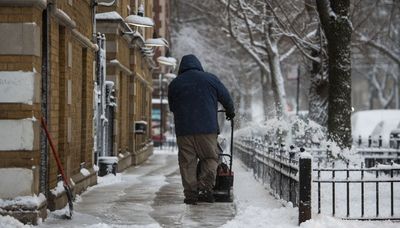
point(170, 76)
point(156, 42)
point(169, 62)
point(139, 21)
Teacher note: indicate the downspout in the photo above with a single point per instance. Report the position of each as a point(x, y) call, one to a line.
point(94, 10)
point(44, 160)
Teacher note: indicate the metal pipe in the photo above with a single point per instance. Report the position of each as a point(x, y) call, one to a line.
point(44, 159)
point(362, 189)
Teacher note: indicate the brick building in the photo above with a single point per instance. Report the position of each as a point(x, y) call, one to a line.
point(129, 70)
point(161, 116)
point(48, 69)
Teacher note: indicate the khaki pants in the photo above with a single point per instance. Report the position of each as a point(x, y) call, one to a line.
point(191, 148)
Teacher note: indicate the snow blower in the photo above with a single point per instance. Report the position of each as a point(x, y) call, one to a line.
point(66, 184)
point(223, 189)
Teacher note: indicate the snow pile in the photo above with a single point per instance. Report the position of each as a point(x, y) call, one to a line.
point(103, 225)
point(85, 172)
point(264, 217)
point(295, 130)
point(113, 15)
point(10, 222)
point(374, 123)
point(58, 189)
point(330, 222)
point(109, 179)
point(26, 201)
point(165, 150)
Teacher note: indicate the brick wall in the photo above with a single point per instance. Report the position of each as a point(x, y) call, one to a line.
point(78, 73)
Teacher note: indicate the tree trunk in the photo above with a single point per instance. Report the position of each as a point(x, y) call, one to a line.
point(337, 27)
point(265, 82)
point(277, 82)
point(319, 88)
point(318, 99)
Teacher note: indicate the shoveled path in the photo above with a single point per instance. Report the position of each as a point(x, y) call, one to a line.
point(149, 195)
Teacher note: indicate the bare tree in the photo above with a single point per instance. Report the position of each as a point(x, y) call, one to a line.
point(334, 16)
point(376, 38)
point(268, 33)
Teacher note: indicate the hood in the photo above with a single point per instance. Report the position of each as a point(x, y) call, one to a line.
point(189, 62)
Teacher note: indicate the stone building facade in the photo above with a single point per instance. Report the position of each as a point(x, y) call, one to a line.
point(129, 70)
point(48, 69)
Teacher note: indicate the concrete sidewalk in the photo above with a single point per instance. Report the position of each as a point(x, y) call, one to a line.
point(149, 195)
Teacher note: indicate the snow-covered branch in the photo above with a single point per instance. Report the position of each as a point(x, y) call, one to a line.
point(380, 47)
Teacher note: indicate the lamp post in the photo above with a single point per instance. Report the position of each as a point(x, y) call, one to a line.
point(169, 62)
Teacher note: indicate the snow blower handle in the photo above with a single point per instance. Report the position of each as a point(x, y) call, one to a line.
point(231, 149)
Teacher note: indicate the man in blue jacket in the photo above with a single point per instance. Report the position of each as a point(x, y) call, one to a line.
point(193, 98)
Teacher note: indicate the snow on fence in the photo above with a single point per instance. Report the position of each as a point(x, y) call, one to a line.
point(288, 177)
point(342, 191)
point(358, 192)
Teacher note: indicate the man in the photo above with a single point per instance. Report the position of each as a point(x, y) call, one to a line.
point(193, 98)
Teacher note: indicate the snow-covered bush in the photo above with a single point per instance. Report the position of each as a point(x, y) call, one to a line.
point(302, 132)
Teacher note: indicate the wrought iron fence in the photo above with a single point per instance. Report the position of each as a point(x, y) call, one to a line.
point(289, 177)
point(344, 182)
point(335, 186)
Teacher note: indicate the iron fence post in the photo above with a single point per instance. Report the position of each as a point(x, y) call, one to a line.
point(305, 171)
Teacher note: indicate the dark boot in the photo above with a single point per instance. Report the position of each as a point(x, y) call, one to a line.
point(206, 196)
point(190, 201)
point(191, 197)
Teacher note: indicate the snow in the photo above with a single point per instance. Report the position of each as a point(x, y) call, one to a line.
point(102, 225)
point(59, 189)
point(257, 208)
point(10, 222)
point(139, 21)
point(255, 205)
point(113, 15)
point(305, 155)
point(365, 123)
point(85, 172)
point(27, 201)
point(108, 159)
point(109, 179)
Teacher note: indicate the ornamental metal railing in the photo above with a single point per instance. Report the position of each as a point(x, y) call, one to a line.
point(339, 189)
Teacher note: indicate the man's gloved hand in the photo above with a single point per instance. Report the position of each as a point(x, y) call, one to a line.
point(230, 115)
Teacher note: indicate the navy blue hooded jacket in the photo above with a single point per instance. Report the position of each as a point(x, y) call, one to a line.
point(193, 97)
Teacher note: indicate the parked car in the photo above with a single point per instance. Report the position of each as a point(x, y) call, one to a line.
point(155, 134)
point(374, 123)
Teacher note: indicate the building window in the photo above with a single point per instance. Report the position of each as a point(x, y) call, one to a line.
point(69, 130)
point(69, 54)
point(69, 92)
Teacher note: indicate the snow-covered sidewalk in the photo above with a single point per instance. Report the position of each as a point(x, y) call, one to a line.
point(150, 196)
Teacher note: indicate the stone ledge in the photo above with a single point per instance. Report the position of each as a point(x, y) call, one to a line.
point(124, 161)
point(81, 183)
point(26, 214)
point(142, 155)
